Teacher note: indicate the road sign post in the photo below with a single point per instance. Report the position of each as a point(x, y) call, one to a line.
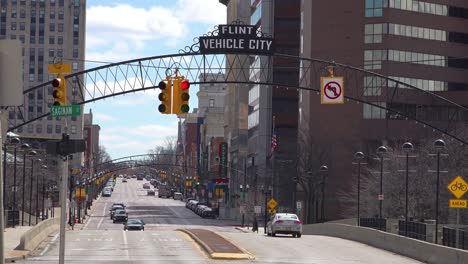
point(458, 187)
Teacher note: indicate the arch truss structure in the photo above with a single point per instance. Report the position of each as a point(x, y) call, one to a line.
point(398, 100)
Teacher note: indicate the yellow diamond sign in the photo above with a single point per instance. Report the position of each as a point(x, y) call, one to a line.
point(272, 203)
point(458, 187)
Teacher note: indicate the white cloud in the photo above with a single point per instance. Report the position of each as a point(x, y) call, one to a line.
point(99, 117)
point(120, 32)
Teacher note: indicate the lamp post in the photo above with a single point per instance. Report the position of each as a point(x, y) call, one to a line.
point(381, 151)
point(359, 156)
point(244, 189)
point(14, 141)
point(407, 147)
point(44, 167)
point(323, 170)
point(24, 147)
point(309, 197)
point(439, 145)
point(31, 187)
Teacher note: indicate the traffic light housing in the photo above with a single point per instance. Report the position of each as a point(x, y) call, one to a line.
point(60, 90)
point(165, 96)
point(197, 180)
point(181, 95)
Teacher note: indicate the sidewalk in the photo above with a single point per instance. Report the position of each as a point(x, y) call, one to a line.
point(12, 238)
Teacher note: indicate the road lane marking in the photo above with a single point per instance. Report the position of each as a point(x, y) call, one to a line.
point(125, 243)
point(100, 222)
point(48, 244)
point(104, 210)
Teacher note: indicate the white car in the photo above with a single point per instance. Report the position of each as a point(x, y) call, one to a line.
point(283, 223)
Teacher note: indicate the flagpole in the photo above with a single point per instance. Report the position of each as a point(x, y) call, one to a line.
point(272, 159)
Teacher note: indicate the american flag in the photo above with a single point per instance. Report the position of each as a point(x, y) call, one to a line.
point(274, 139)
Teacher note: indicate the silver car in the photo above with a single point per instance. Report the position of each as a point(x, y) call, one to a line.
point(283, 223)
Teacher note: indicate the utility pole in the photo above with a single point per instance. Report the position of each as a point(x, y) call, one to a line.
point(63, 208)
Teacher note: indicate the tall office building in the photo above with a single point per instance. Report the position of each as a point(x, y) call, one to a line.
point(422, 43)
point(268, 170)
point(49, 31)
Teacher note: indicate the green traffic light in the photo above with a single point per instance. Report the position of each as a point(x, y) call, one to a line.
point(184, 108)
point(198, 183)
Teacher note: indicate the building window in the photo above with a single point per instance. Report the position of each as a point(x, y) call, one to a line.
point(38, 128)
point(60, 53)
point(49, 128)
point(427, 85)
point(52, 14)
point(51, 52)
point(374, 7)
point(12, 36)
point(22, 26)
point(41, 39)
point(75, 65)
point(52, 27)
point(212, 103)
point(373, 85)
point(32, 39)
point(76, 41)
point(60, 15)
point(373, 59)
point(11, 114)
point(75, 53)
point(23, 13)
point(419, 6)
point(60, 27)
point(13, 26)
point(60, 40)
point(373, 32)
point(51, 40)
point(21, 38)
point(30, 128)
point(418, 58)
point(58, 129)
point(13, 12)
point(374, 112)
point(73, 129)
point(417, 32)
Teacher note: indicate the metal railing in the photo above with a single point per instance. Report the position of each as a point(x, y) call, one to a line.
point(412, 229)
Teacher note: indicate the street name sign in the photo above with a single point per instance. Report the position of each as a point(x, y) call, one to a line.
point(458, 187)
point(331, 89)
point(272, 203)
point(66, 110)
point(458, 203)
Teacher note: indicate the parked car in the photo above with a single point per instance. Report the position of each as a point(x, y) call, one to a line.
point(178, 196)
point(134, 224)
point(208, 212)
point(113, 209)
point(283, 223)
point(120, 216)
point(199, 209)
point(150, 192)
point(190, 202)
point(107, 192)
point(146, 185)
point(139, 178)
point(124, 180)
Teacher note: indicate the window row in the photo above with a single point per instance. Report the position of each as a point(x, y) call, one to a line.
point(373, 58)
point(33, 13)
point(374, 8)
point(374, 111)
point(49, 127)
point(373, 85)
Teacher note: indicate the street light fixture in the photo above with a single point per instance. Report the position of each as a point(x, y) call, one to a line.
point(407, 147)
point(439, 145)
point(358, 156)
point(31, 153)
point(382, 150)
point(323, 170)
point(309, 197)
point(44, 167)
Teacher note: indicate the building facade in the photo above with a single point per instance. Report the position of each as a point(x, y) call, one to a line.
point(49, 31)
point(422, 43)
point(270, 170)
point(91, 137)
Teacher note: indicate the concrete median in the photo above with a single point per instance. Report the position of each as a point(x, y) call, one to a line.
point(33, 237)
point(416, 249)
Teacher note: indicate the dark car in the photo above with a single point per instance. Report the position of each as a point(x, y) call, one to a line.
point(114, 208)
point(120, 216)
point(134, 224)
point(150, 192)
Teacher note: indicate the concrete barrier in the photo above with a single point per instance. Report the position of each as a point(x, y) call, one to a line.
point(416, 249)
point(33, 237)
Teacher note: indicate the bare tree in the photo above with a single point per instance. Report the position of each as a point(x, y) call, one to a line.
point(421, 181)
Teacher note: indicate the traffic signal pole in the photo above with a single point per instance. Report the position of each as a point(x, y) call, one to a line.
point(63, 208)
point(2, 212)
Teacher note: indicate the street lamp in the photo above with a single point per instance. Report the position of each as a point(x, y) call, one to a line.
point(44, 167)
point(381, 151)
point(243, 190)
point(31, 153)
point(309, 197)
point(439, 145)
point(24, 147)
point(323, 170)
point(266, 193)
point(359, 156)
point(14, 141)
point(407, 147)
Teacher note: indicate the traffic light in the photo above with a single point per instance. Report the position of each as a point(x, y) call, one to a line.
point(60, 91)
point(198, 180)
point(165, 96)
point(181, 95)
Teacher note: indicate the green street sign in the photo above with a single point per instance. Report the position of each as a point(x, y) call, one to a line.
point(66, 110)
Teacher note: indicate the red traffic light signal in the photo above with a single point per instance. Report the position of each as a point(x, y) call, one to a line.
point(184, 85)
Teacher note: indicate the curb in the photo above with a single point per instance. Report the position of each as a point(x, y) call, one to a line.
point(242, 230)
point(212, 254)
point(14, 259)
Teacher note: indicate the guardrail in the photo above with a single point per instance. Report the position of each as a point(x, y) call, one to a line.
point(33, 237)
point(416, 249)
point(449, 238)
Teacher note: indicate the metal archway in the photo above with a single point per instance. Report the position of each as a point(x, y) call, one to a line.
point(145, 73)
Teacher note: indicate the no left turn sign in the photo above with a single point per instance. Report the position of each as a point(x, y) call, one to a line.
point(332, 90)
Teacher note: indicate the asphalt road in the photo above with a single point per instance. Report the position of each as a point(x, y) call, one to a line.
point(99, 240)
